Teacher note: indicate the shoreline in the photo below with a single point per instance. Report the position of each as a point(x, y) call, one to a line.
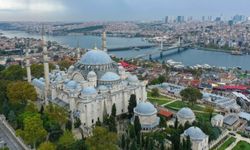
point(212, 49)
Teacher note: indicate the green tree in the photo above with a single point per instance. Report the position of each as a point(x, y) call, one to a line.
point(113, 112)
point(12, 119)
point(191, 94)
point(155, 92)
point(210, 111)
point(106, 140)
point(66, 141)
point(20, 92)
point(64, 64)
point(57, 114)
point(2, 68)
point(47, 146)
point(123, 142)
point(14, 72)
point(112, 124)
point(132, 104)
point(133, 146)
point(33, 131)
point(37, 70)
point(137, 126)
point(79, 145)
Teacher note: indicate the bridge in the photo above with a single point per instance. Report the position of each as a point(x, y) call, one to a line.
point(179, 47)
point(126, 48)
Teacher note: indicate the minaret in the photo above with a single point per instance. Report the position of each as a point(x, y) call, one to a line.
point(78, 51)
point(104, 41)
point(27, 60)
point(46, 69)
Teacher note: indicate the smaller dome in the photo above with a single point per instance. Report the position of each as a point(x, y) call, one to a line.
point(71, 84)
point(91, 74)
point(42, 79)
point(195, 133)
point(71, 69)
point(186, 113)
point(59, 78)
point(218, 117)
point(133, 78)
point(145, 108)
point(102, 88)
point(66, 81)
point(110, 76)
point(88, 91)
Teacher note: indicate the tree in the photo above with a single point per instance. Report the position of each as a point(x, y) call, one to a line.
point(66, 140)
point(132, 104)
point(162, 122)
point(137, 126)
point(14, 72)
point(33, 131)
point(2, 68)
point(123, 142)
point(79, 145)
point(210, 111)
point(20, 92)
point(57, 113)
point(113, 112)
point(47, 146)
point(106, 140)
point(188, 143)
point(176, 123)
point(112, 124)
point(133, 146)
point(191, 94)
point(155, 92)
point(12, 119)
point(64, 64)
point(37, 70)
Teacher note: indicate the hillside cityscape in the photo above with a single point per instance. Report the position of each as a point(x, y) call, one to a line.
point(144, 77)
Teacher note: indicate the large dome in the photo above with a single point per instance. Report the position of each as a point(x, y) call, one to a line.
point(195, 133)
point(95, 57)
point(145, 108)
point(186, 113)
point(88, 91)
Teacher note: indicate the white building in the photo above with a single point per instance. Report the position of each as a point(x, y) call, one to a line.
point(91, 86)
point(198, 138)
point(184, 115)
point(147, 114)
point(217, 120)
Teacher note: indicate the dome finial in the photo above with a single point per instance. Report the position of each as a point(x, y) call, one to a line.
point(95, 47)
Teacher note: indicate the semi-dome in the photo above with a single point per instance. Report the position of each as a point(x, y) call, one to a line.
point(88, 91)
point(71, 84)
point(91, 74)
point(195, 133)
point(133, 78)
point(102, 88)
point(186, 113)
point(95, 57)
point(110, 76)
point(145, 108)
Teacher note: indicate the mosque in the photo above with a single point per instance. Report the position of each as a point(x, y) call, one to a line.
point(90, 87)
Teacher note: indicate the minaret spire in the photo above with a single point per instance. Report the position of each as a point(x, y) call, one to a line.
point(27, 60)
point(78, 55)
point(46, 67)
point(104, 41)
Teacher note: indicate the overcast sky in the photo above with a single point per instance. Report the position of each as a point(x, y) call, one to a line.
point(109, 10)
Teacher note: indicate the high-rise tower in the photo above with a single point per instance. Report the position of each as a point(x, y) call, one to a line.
point(46, 68)
point(27, 61)
point(104, 41)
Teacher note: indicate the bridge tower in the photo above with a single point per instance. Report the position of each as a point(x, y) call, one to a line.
point(150, 57)
point(179, 44)
point(161, 48)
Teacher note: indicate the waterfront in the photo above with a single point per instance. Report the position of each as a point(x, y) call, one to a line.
point(189, 57)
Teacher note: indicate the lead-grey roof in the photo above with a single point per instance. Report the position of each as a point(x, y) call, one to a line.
point(195, 133)
point(186, 113)
point(145, 108)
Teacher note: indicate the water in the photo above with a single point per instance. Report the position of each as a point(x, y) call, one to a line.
point(189, 57)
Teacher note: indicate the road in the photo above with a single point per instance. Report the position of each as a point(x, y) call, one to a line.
point(9, 138)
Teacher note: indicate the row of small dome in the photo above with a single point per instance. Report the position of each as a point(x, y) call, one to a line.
point(146, 108)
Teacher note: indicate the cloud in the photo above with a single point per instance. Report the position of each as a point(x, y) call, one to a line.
point(32, 6)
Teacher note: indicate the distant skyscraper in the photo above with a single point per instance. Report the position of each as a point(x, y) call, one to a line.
point(203, 18)
point(166, 19)
point(180, 19)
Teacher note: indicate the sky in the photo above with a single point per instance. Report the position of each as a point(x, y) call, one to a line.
point(117, 10)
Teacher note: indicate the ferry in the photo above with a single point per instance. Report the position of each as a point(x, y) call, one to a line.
point(236, 52)
point(136, 49)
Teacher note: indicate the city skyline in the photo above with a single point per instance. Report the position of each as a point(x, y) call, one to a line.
point(117, 10)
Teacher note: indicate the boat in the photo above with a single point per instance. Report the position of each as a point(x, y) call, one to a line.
point(236, 52)
point(136, 48)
